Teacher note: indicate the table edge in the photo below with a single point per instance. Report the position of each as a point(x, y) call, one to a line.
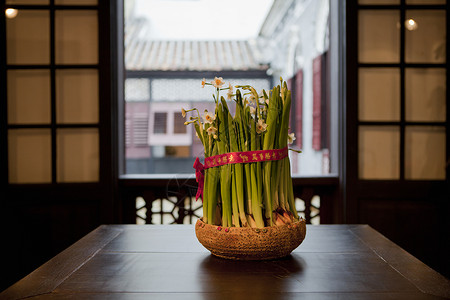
point(73, 257)
point(426, 279)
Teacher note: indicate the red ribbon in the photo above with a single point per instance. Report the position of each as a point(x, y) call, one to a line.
point(199, 177)
point(245, 157)
point(234, 158)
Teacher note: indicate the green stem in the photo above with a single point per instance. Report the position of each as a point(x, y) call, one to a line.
point(256, 185)
point(205, 197)
point(234, 199)
point(213, 178)
point(290, 190)
point(246, 177)
point(237, 175)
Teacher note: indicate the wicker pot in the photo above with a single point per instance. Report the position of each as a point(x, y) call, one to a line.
point(245, 243)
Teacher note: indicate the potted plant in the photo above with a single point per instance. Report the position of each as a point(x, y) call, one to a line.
point(245, 182)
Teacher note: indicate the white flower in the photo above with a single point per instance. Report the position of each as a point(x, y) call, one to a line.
point(230, 92)
point(291, 138)
point(218, 82)
point(211, 130)
point(252, 110)
point(261, 98)
point(261, 126)
point(267, 101)
point(208, 117)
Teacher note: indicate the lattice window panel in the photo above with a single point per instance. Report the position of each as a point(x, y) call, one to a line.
point(167, 210)
point(315, 210)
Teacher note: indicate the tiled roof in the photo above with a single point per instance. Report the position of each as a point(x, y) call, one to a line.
point(145, 54)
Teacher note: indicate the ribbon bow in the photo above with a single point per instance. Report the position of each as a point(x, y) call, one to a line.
point(199, 177)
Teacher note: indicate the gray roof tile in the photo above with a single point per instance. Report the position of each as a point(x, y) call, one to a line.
point(145, 54)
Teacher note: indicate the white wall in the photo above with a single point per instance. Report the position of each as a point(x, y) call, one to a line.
point(302, 38)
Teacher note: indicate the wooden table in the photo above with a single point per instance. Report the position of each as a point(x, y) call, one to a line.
point(167, 262)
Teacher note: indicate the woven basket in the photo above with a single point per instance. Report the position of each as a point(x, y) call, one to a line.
point(245, 243)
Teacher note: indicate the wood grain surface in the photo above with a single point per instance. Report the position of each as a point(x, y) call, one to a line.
point(167, 262)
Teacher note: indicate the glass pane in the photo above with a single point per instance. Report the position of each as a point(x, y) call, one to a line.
point(76, 34)
point(27, 2)
point(425, 91)
point(164, 47)
point(76, 2)
point(28, 96)
point(425, 153)
point(379, 36)
point(427, 2)
point(28, 30)
point(425, 41)
point(379, 152)
point(160, 123)
point(77, 96)
point(178, 123)
point(78, 155)
point(379, 2)
point(379, 94)
point(29, 156)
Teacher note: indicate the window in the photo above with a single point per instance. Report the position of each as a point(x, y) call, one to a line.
point(160, 123)
point(402, 91)
point(52, 128)
point(166, 58)
point(178, 123)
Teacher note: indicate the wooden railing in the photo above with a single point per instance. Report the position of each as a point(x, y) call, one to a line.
point(170, 199)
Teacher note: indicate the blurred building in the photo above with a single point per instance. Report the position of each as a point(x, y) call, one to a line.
point(164, 75)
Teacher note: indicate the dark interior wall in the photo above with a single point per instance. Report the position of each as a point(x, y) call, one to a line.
point(34, 229)
point(37, 221)
point(420, 226)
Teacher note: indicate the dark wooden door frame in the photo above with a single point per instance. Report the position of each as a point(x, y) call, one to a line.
point(389, 204)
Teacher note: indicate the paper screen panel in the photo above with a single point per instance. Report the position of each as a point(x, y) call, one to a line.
point(30, 29)
point(77, 96)
point(426, 43)
point(379, 94)
point(378, 36)
point(425, 91)
point(379, 152)
point(28, 96)
point(77, 155)
point(425, 153)
point(76, 37)
point(29, 156)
